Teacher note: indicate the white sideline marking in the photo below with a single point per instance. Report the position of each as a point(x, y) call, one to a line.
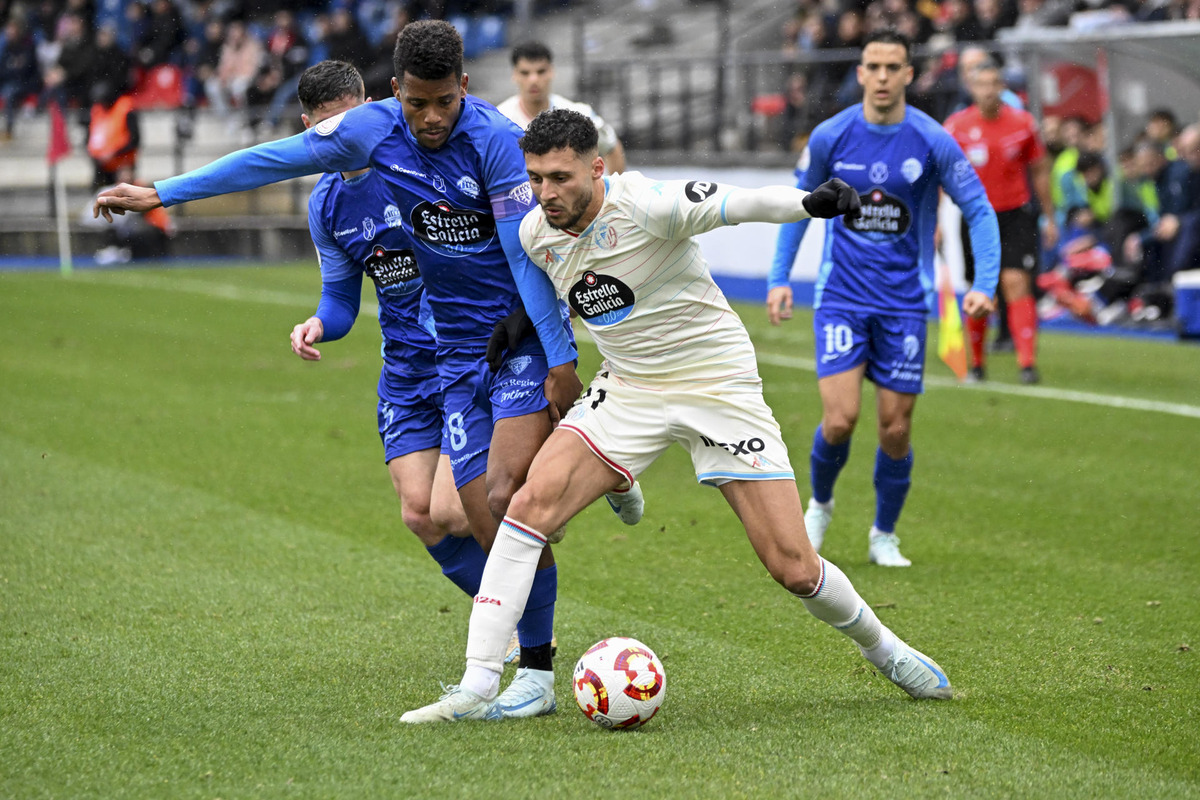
point(1043, 392)
point(225, 291)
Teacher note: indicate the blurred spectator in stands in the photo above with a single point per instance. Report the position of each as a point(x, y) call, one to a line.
point(1162, 126)
point(958, 19)
point(19, 78)
point(377, 77)
point(202, 55)
point(1173, 242)
point(992, 15)
point(1082, 265)
point(1070, 135)
point(344, 40)
point(935, 90)
point(971, 58)
point(1091, 185)
point(799, 114)
point(241, 57)
point(163, 37)
point(286, 57)
point(69, 80)
point(112, 64)
point(114, 134)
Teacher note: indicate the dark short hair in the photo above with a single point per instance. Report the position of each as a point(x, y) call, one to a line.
point(1166, 115)
point(889, 36)
point(430, 50)
point(531, 51)
point(327, 81)
point(558, 129)
point(1088, 160)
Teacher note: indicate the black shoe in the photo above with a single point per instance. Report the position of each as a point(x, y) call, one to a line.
point(1004, 345)
point(976, 374)
point(1030, 376)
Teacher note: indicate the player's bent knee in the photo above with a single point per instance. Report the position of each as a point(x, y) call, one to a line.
point(529, 505)
point(837, 428)
point(799, 576)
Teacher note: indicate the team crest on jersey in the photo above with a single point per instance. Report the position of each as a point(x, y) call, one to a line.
point(391, 216)
point(699, 191)
point(393, 271)
point(883, 216)
point(605, 236)
point(451, 230)
point(601, 299)
point(911, 169)
point(468, 186)
point(328, 126)
point(519, 364)
point(368, 226)
point(438, 183)
point(878, 172)
point(523, 194)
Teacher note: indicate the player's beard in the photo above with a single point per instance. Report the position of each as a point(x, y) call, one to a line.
point(575, 212)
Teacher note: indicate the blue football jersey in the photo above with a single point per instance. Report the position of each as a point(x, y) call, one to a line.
point(883, 261)
point(448, 200)
point(349, 222)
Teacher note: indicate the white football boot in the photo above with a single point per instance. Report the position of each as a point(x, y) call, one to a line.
point(456, 704)
point(885, 550)
point(917, 674)
point(629, 504)
point(816, 521)
point(531, 694)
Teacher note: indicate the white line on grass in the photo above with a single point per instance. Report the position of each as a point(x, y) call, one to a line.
point(226, 291)
point(1044, 392)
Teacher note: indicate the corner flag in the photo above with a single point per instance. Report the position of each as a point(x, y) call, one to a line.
point(950, 331)
point(58, 148)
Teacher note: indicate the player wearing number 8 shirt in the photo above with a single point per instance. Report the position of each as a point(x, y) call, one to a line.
point(678, 367)
point(875, 282)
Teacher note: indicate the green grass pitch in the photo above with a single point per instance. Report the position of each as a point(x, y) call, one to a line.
point(206, 590)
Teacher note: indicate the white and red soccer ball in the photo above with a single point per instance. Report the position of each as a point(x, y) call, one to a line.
point(619, 683)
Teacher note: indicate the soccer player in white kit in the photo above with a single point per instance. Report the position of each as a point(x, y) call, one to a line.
point(533, 73)
point(678, 367)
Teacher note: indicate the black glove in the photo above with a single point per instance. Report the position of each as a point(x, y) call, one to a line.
point(831, 199)
point(507, 334)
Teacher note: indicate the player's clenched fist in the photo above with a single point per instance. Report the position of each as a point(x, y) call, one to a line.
point(833, 198)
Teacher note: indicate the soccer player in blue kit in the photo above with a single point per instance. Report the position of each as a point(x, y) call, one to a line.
point(458, 185)
point(351, 242)
point(875, 284)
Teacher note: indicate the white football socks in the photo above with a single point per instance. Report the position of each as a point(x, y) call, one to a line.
point(835, 602)
point(503, 592)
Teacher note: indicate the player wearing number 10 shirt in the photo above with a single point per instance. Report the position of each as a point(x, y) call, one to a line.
point(875, 282)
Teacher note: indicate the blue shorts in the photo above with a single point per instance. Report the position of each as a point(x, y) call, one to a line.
point(892, 347)
point(475, 399)
point(410, 414)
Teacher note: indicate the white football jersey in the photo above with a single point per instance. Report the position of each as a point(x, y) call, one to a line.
point(639, 283)
point(511, 108)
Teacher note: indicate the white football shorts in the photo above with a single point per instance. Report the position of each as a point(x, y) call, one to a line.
point(729, 431)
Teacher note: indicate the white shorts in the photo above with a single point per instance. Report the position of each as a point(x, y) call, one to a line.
point(729, 430)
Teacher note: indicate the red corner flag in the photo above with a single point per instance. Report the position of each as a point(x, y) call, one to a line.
point(950, 331)
point(59, 145)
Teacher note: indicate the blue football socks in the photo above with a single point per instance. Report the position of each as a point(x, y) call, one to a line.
point(462, 560)
point(826, 462)
point(892, 479)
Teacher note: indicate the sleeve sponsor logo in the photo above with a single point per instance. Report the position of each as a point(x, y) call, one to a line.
point(963, 172)
point(699, 191)
point(522, 194)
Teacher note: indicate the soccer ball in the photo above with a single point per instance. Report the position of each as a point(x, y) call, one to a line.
point(619, 683)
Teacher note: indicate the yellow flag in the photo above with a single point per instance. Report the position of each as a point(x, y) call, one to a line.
point(950, 331)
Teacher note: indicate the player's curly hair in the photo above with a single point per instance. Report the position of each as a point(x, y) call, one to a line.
point(557, 129)
point(326, 82)
point(430, 50)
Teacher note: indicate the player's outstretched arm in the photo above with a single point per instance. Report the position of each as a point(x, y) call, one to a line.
point(125, 197)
